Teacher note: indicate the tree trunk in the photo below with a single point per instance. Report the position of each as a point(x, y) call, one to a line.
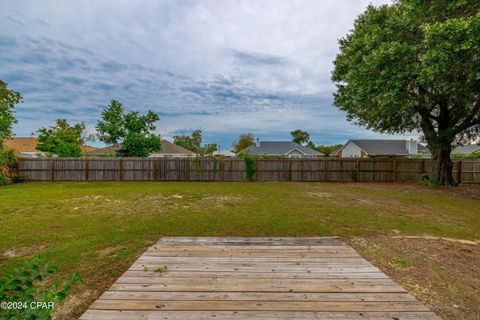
point(442, 166)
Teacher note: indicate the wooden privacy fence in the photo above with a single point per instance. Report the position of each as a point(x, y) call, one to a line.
point(161, 169)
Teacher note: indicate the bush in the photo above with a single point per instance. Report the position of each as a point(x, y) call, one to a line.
point(23, 290)
point(8, 163)
point(353, 174)
point(250, 168)
point(426, 179)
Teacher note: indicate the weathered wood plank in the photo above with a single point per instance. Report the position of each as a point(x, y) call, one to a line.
point(252, 315)
point(215, 305)
point(257, 275)
point(255, 267)
point(257, 296)
point(306, 261)
point(245, 241)
point(242, 285)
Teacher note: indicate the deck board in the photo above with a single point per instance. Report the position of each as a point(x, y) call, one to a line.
point(256, 279)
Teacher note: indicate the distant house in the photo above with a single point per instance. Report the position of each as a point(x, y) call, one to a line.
point(108, 151)
point(171, 150)
point(225, 153)
point(24, 146)
point(382, 148)
point(286, 149)
point(467, 150)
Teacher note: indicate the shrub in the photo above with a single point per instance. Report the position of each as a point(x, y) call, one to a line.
point(352, 173)
point(8, 163)
point(250, 168)
point(427, 179)
point(26, 286)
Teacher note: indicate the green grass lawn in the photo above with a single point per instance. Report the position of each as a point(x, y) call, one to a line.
point(98, 229)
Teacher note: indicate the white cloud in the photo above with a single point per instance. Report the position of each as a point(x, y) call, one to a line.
point(226, 66)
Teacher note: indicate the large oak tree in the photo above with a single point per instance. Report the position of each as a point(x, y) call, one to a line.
point(415, 66)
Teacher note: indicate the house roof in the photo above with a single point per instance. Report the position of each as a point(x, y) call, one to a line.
point(171, 148)
point(280, 148)
point(87, 149)
point(104, 151)
point(22, 144)
point(225, 153)
point(386, 147)
point(467, 149)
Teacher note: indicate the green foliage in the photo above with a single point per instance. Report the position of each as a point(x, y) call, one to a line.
point(133, 130)
point(29, 284)
point(141, 145)
point(475, 155)
point(194, 143)
point(353, 174)
point(111, 128)
point(161, 269)
point(300, 136)
point(413, 66)
point(8, 99)
point(62, 139)
point(8, 162)
point(426, 179)
point(244, 141)
point(140, 141)
point(250, 168)
point(327, 150)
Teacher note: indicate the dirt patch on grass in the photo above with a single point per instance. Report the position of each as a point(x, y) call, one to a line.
point(22, 251)
point(470, 191)
point(319, 194)
point(444, 274)
point(110, 250)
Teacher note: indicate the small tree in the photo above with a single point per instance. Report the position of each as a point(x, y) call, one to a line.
point(194, 143)
point(327, 150)
point(414, 66)
point(111, 128)
point(140, 141)
point(8, 99)
point(133, 130)
point(62, 139)
point(300, 136)
point(244, 141)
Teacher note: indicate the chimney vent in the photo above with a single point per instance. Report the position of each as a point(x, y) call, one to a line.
point(257, 142)
point(412, 146)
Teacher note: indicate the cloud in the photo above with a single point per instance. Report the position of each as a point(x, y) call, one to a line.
point(226, 67)
point(255, 58)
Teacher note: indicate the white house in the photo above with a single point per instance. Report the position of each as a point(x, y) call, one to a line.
point(382, 148)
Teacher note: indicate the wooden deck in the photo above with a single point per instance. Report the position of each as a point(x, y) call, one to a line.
point(255, 278)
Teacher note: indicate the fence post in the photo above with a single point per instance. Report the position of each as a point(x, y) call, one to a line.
point(459, 178)
point(120, 176)
point(290, 169)
point(324, 170)
point(53, 169)
point(154, 170)
point(423, 166)
point(85, 167)
point(394, 170)
point(358, 171)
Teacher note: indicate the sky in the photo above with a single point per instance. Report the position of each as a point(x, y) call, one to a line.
point(225, 67)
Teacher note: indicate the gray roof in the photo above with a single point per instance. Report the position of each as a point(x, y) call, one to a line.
point(171, 148)
point(280, 148)
point(467, 149)
point(387, 147)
